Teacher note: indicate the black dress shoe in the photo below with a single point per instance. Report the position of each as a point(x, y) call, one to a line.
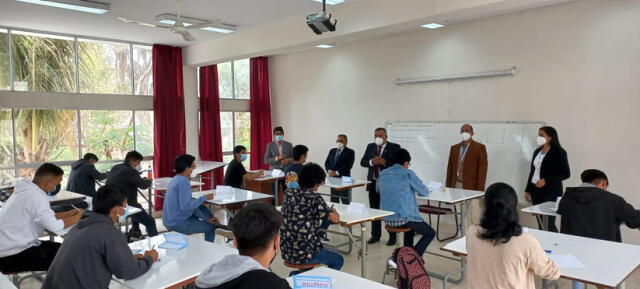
point(391, 242)
point(373, 240)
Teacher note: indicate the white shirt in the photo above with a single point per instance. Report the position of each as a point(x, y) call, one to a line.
point(24, 218)
point(537, 163)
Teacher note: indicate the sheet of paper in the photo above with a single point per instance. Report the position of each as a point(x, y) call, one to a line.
point(357, 208)
point(312, 282)
point(224, 190)
point(346, 179)
point(566, 261)
point(434, 186)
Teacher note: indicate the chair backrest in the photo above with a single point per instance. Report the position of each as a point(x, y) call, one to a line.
point(410, 272)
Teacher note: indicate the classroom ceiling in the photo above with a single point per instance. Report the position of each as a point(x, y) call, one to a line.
point(246, 14)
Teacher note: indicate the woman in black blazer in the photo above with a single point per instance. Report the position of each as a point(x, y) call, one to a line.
point(549, 167)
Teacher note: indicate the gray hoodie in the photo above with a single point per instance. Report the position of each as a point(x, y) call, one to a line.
point(93, 251)
point(237, 271)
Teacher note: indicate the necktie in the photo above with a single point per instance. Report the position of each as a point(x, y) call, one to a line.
point(335, 159)
point(463, 152)
point(377, 171)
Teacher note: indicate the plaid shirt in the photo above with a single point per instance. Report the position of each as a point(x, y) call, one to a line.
point(399, 222)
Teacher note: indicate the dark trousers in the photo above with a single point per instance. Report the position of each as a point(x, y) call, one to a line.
point(343, 195)
point(143, 218)
point(421, 228)
point(374, 203)
point(37, 258)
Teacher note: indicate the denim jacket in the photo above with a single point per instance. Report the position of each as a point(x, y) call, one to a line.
point(398, 187)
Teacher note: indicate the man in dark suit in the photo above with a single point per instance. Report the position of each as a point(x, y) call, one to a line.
point(338, 164)
point(377, 157)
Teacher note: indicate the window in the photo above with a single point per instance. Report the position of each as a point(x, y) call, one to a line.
point(236, 130)
point(63, 136)
point(233, 79)
point(5, 74)
point(43, 62)
point(105, 67)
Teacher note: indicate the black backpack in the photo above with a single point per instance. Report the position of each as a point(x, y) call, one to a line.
point(410, 272)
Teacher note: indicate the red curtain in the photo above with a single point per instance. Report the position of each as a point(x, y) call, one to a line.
point(168, 111)
point(210, 135)
point(260, 108)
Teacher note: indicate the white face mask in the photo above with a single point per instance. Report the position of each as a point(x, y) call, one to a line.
point(379, 141)
point(541, 141)
point(340, 145)
point(465, 136)
point(138, 168)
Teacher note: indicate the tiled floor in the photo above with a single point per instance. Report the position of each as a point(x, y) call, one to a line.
point(378, 254)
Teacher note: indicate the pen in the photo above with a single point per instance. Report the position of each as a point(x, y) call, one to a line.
point(76, 208)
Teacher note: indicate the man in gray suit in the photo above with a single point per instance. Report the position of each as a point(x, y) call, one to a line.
point(279, 152)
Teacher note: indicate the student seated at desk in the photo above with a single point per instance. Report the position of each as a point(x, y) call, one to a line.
point(500, 255)
point(398, 186)
point(591, 211)
point(95, 249)
point(236, 173)
point(181, 213)
point(293, 170)
point(127, 176)
point(256, 230)
point(83, 176)
point(305, 213)
point(24, 218)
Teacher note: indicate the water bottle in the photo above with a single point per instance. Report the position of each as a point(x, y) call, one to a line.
point(150, 173)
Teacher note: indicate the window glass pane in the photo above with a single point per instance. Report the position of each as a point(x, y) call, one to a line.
point(46, 135)
point(226, 159)
point(7, 176)
point(241, 78)
point(142, 70)
point(6, 138)
point(144, 132)
point(43, 62)
point(107, 133)
point(105, 67)
point(225, 79)
point(226, 127)
point(242, 132)
point(5, 78)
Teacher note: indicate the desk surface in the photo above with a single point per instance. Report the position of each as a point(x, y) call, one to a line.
point(546, 208)
point(350, 219)
point(66, 196)
point(205, 166)
point(267, 177)
point(451, 195)
point(342, 280)
point(337, 183)
point(161, 184)
point(606, 263)
point(176, 266)
point(238, 196)
point(5, 282)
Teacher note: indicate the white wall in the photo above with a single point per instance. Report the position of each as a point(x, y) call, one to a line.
point(578, 70)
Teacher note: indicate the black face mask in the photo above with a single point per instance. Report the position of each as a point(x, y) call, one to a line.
point(56, 190)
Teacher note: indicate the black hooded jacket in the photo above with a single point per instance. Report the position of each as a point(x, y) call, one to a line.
point(83, 177)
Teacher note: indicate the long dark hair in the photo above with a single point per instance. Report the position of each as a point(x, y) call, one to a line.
point(500, 218)
point(553, 134)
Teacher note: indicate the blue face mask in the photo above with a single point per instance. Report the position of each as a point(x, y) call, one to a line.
point(55, 191)
point(243, 157)
point(279, 137)
point(122, 218)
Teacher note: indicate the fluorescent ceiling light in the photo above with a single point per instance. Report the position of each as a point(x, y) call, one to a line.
point(77, 5)
point(208, 28)
point(433, 25)
point(324, 46)
point(217, 29)
point(331, 2)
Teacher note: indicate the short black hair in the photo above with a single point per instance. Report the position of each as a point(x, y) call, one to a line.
point(90, 156)
point(344, 136)
point(278, 128)
point(311, 175)
point(47, 170)
point(237, 149)
point(401, 156)
point(500, 216)
point(299, 151)
point(133, 156)
point(254, 227)
point(182, 162)
point(593, 176)
point(382, 129)
point(107, 197)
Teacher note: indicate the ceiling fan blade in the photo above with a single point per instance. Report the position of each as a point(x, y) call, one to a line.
point(205, 24)
point(186, 35)
point(125, 20)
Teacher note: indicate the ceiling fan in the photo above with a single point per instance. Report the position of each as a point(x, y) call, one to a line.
point(178, 26)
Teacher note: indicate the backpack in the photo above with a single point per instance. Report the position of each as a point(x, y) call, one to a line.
point(410, 272)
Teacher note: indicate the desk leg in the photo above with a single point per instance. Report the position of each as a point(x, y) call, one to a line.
point(363, 251)
point(463, 215)
point(276, 192)
point(150, 201)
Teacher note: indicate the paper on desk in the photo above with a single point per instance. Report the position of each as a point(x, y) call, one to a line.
point(567, 261)
point(357, 208)
point(434, 186)
point(346, 179)
point(224, 190)
point(277, 173)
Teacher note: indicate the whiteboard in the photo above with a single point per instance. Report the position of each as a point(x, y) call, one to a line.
point(510, 146)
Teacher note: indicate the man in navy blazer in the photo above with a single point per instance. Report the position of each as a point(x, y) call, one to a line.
point(377, 157)
point(338, 164)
